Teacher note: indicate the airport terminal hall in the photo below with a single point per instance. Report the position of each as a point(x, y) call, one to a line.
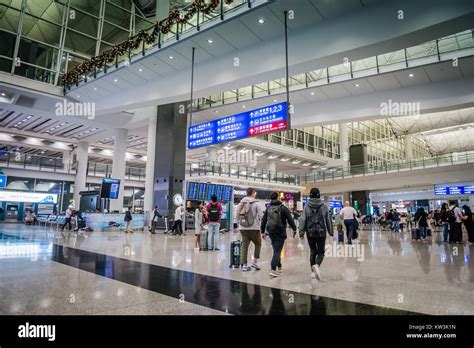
point(236, 158)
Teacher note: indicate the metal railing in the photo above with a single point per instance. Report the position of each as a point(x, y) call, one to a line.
point(444, 49)
point(56, 165)
point(239, 172)
point(455, 158)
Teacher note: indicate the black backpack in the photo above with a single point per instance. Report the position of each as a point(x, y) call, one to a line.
point(450, 216)
point(274, 223)
point(315, 224)
point(213, 211)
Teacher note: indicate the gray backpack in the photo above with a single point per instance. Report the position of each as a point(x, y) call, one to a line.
point(274, 223)
point(246, 218)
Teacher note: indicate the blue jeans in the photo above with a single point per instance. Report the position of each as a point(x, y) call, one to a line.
point(445, 232)
point(277, 245)
point(396, 226)
point(213, 235)
point(350, 226)
point(422, 232)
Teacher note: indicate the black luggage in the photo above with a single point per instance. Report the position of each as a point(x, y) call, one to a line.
point(81, 224)
point(428, 232)
point(235, 249)
point(415, 233)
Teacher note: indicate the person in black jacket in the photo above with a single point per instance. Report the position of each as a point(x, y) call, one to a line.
point(315, 221)
point(275, 220)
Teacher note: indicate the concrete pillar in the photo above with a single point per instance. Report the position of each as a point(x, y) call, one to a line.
point(81, 172)
point(408, 146)
point(150, 163)
point(344, 143)
point(118, 166)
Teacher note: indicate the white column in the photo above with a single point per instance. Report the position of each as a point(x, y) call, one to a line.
point(118, 166)
point(81, 172)
point(408, 146)
point(150, 163)
point(344, 143)
point(211, 155)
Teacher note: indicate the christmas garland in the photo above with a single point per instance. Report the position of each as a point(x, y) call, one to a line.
point(132, 43)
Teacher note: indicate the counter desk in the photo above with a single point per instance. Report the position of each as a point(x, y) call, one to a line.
point(112, 221)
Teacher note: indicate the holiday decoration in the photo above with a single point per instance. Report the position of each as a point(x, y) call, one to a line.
point(133, 42)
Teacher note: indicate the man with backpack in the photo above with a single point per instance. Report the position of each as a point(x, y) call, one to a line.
point(214, 212)
point(315, 221)
point(274, 220)
point(454, 218)
point(249, 215)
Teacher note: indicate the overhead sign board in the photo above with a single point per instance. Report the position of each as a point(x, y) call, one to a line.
point(268, 119)
point(28, 197)
point(454, 190)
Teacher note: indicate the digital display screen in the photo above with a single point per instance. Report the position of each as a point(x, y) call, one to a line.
point(110, 188)
point(453, 190)
point(227, 193)
point(220, 193)
point(202, 191)
point(211, 190)
point(265, 120)
point(192, 190)
point(3, 181)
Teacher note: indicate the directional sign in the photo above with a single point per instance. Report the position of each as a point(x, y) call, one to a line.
point(269, 119)
point(3, 181)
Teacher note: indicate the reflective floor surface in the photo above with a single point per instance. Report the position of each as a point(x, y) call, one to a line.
point(48, 272)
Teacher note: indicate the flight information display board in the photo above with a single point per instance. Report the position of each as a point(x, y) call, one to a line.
point(192, 190)
point(220, 193)
point(454, 190)
point(228, 193)
point(268, 119)
point(202, 187)
point(211, 190)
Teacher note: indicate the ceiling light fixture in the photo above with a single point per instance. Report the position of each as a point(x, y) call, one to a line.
point(3, 94)
point(410, 75)
point(306, 164)
point(95, 88)
point(115, 80)
point(171, 57)
point(285, 159)
point(210, 41)
point(261, 21)
point(357, 85)
point(140, 69)
point(243, 106)
point(312, 93)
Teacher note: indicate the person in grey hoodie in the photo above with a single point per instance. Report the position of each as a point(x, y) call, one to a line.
point(315, 221)
point(249, 216)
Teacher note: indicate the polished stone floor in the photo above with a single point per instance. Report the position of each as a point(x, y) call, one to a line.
point(47, 272)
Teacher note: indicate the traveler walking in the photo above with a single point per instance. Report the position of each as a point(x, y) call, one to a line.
point(178, 221)
point(128, 220)
point(315, 221)
point(275, 220)
point(67, 220)
point(340, 233)
point(349, 215)
point(154, 219)
point(409, 220)
point(249, 215)
point(468, 223)
point(454, 217)
point(396, 220)
point(214, 212)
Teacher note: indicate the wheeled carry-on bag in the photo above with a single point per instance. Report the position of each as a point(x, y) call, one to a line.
point(235, 249)
point(415, 233)
point(203, 240)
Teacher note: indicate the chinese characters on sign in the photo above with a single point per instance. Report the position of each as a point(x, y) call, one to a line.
point(261, 121)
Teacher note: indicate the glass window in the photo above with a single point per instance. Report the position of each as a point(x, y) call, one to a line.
point(9, 18)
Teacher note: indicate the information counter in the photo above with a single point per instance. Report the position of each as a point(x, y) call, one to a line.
point(111, 221)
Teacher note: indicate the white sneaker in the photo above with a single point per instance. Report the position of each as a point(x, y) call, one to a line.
point(316, 271)
point(274, 274)
point(279, 271)
point(313, 275)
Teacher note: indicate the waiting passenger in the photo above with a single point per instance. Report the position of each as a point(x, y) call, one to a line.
point(315, 221)
point(409, 220)
point(67, 220)
point(454, 217)
point(214, 213)
point(421, 218)
point(443, 221)
point(275, 220)
point(178, 221)
point(468, 223)
point(396, 220)
point(349, 216)
point(249, 214)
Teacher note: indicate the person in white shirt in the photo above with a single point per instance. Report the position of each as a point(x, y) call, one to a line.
point(178, 220)
point(198, 224)
point(349, 214)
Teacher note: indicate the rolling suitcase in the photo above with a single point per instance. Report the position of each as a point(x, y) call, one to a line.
point(415, 233)
point(428, 232)
point(203, 240)
point(235, 249)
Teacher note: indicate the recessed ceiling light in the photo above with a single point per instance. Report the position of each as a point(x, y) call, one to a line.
point(306, 164)
point(357, 85)
point(115, 80)
point(285, 159)
point(261, 21)
point(95, 88)
point(171, 57)
point(69, 59)
point(3, 94)
point(312, 93)
point(216, 111)
point(296, 161)
point(140, 69)
point(210, 41)
point(410, 75)
point(275, 100)
point(243, 106)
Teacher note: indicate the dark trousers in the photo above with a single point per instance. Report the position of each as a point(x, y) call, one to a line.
point(350, 227)
point(277, 245)
point(455, 232)
point(316, 244)
point(66, 222)
point(178, 225)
